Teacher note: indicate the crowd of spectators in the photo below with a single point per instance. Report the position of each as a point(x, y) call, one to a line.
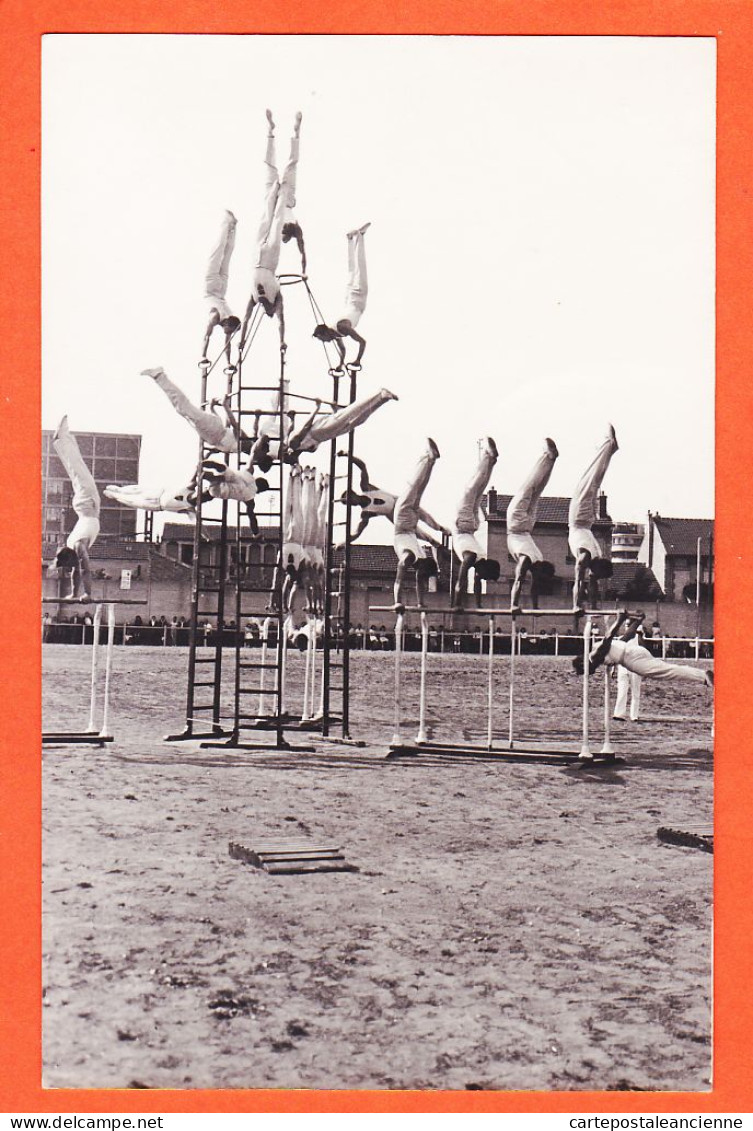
point(161, 632)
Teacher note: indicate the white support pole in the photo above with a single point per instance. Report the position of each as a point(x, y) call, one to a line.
point(95, 664)
point(313, 667)
point(306, 674)
point(397, 739)
point(607, 748)
point(283, 644)
point(556, 643)
point(262, 708)
point(311, 658)
point(697, 598)
point(321, 680)
point(490, 689)
point(513, 646)
point(108, 668)
point(421, 736)
point(585, 750)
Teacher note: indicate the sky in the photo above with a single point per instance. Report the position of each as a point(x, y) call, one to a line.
point(541, 255)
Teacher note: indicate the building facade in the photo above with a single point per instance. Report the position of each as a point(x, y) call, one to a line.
point(627, 538)
point(551, 537)
point(671, 549)
point(111, 458)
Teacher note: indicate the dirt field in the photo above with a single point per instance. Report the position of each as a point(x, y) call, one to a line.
point(509, 927)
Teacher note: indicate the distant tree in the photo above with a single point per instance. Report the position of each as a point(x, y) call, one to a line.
point(689, 593)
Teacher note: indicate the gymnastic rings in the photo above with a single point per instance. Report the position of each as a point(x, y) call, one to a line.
point(353, 367)
point(205, 363)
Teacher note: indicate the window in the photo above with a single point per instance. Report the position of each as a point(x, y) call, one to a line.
point(85, 445)
point(127, 447)
point(126, 471)
point(55, 468)
point(105, 446)
point(186, 553)
point(104, 470)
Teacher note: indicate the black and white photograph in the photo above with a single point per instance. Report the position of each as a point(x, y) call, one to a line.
point(378, 379)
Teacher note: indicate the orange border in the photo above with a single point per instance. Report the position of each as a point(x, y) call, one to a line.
point(21, 24)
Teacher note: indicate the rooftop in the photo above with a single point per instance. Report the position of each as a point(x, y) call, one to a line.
point(680, 535)
point(632, 580)
point(552, 508)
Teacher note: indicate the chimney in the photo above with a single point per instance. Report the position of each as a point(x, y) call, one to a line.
point(602, 505)
point(491, 501)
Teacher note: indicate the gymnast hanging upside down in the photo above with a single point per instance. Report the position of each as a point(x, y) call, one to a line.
point(406, 544)
point(73, 557)
point(590, 562)
point(276, 225)
point(623, 649)
point(355, 300)
point(287, 575)
point(221, 482)
point(374, 502)
point(521, 519)
point(218, 482)
point(223, 437)
point(217, 278)
point(318, 428)
point(467, 521)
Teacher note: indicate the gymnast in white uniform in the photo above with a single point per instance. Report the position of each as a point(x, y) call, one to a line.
point(521, 519)
point(624, 650)
point(216, 284)
point(73, 557)
point(467, 521)
point(355, 301)
point(591, 564)
point(406, 516)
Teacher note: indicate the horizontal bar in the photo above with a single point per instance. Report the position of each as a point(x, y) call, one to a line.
point(95, 601)
point(62, 739)
point(500, 612)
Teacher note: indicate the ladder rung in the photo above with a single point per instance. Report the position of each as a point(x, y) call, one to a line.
point(259, 667)
point(205, 660)
point(261, 389)
point(204, 683)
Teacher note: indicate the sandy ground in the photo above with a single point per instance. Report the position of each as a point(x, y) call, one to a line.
point(509, 927)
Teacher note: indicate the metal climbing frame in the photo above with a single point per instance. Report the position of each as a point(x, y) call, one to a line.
point(337, 582)
point(205, 671)
point(250, 699)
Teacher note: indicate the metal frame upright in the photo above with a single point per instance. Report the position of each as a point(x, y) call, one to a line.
point(277, 721)
point(200, 568)
point(341, 619)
